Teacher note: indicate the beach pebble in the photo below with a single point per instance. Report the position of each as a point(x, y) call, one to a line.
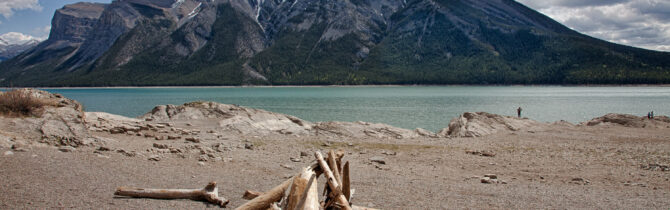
point(201, 163)
point(66, 149)
point(154, 158)
point(192, 139)
point(8, 153)
point(126, 153)
point(488, 180)
point(492, 176)
point(20, 147)
point(304, 154)
point(160, 146)
point(377, 159)
point(296, 159)
point(116, 130)
point(203, 158)
point(249, 146)
point(290, 167)
point(579, 180)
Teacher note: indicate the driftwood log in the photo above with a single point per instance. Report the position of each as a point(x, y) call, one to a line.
point(332, 182)
point(297, 193)
point(210, 194)
point(266, 199)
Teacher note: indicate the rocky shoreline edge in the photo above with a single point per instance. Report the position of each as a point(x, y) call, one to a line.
point(483, 160)
point(66, 124)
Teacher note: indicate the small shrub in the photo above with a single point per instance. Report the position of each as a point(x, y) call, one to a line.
point(16, 103)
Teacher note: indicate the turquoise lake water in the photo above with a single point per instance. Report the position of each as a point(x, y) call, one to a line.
point(408, 107)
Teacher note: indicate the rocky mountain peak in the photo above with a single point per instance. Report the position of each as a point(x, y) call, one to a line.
point(298, 42)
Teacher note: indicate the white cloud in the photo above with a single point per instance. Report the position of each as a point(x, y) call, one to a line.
point(7, 7)
point(639, 23)
point(42, 33)
point(18, 38)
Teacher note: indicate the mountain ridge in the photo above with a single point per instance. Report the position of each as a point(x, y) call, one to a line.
point(286, 42)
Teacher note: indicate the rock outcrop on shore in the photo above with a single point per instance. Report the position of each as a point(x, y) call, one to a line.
point(362, 130)
point(628, 120)
point(62, 122)
point(476, 124)
point(59, 122)
point(232, 117)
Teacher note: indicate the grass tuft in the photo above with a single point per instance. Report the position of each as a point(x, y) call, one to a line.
point(17, 103)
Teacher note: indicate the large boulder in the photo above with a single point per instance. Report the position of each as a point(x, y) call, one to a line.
point(628, 120)
point(231, 117)
point(476, 124)
point(58, 121)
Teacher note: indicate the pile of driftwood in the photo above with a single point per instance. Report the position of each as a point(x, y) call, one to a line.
point(297, 193)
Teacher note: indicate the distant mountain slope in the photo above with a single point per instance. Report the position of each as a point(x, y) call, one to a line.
point(281, 42)
point(8, 50)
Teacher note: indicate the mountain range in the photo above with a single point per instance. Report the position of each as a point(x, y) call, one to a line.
point(322, 42)
point(9, 50)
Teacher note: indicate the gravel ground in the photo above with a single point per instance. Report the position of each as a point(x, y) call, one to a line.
point(602, 167)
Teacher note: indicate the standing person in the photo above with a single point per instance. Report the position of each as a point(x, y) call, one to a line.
point(652, 114)
point(648, 115)
point(518, 112)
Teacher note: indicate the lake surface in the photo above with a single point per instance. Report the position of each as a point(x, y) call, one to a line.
point(408, 107)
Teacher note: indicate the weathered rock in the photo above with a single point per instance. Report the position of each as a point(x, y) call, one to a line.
point(296, 159)
point(170, 137)
point(481, 153)
point(304, 154)
point(159, 138)
point(154, 158)
point(203, 158)
point(377, 159)
point(362, 129)
point(390, 153)
point(628, 120)
point(655, 167)
point(160, 146)
point(8, 153)
point(425, 133)
point(66, 149)
point(579, 180)
point(103, 148)
point(232, 117)
point(20, 147)
point(492, 176)
point(176, 150)
point(290, 167)
point(249, 146)
point(488, 180)
point(471, 124)
point(192, 139)
point(60, 121)
point(127, 153)
point(116, 130)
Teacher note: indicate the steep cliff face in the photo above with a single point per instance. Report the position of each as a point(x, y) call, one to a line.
point(235, 42)
point(70, 27)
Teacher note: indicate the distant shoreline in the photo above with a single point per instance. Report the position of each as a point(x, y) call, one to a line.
point(323, 86)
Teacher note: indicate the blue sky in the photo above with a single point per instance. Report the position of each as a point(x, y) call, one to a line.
point(639, 23)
